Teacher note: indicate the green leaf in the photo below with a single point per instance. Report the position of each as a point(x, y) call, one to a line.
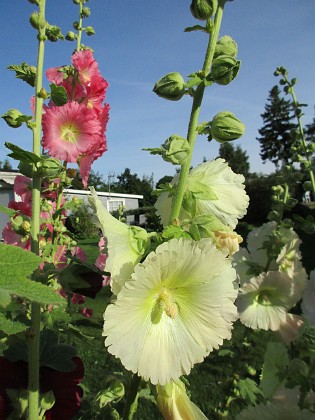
point(16, 265)
point(10, 327)
point(196, 28)
point(172, 231)
point(58, 95)
point(249, 390)
point(5, 298)
point(6, 210)
point(54, 355)
point(276, 361)
point(24, 72)
point(21, 154)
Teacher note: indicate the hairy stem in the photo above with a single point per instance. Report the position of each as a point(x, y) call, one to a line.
point(34, 335)
point(194, 115)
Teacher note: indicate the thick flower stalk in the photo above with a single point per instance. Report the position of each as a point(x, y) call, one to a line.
point(175, 309)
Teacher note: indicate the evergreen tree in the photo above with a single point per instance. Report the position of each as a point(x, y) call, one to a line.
point(235, 157)
point(310, 131)
point(277, 134)
point(5, 166)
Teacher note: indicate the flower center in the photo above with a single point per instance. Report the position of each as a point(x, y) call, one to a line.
point(264, 298)
point(69, 133)
point(164, 303)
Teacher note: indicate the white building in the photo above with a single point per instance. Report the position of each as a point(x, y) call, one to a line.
point(110, 200)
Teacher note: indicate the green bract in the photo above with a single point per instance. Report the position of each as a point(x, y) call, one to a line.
point(226, 127)
point(224, 69)
point(203, 9)
point(226, 46)
point(171, 86)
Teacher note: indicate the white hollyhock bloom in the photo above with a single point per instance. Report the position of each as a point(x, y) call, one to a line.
point(264, 301)
point(126, 244)
point(174, 403)
point(308, 302)
point(270, 249)
point(217, 190)
point(178, 306)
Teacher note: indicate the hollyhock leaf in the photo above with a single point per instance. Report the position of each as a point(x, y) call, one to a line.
point(5, 298)
point(54, 355)
point(58, 94)
point(24, 72)
point(22, 155)
point(196, 28)
point(17, 351)
point(276, 360)
point(10, 327)
point(249, 390)
point(173, 231)
point(6, 210)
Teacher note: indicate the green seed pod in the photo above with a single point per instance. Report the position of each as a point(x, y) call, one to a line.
point(86, 12)
point(37, 21)
point(226, 127)
point(203, 9)
point(171, 86)
point(70, 36)
point(12, 118)
point(224, 69)
point(175, 150)
point(226, 46)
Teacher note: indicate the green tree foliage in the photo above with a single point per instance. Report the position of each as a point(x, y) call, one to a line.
point(310, 131)
point(5, 166)
point(277, 134)
point(236, 158)
point(166, 179)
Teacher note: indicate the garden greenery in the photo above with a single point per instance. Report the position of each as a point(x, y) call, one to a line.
point(176, 294)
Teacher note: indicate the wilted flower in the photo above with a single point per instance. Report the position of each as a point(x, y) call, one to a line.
point(174, 311)
point(174, 403)
point(126, 244)
point(217, 190)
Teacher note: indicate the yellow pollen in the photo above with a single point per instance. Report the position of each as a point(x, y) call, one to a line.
point(69, 133)
point(167, 302)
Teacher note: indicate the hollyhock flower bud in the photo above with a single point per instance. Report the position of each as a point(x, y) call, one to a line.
point(12, 118)
point(37, 21)
point(86, 12)
point(203, 9)
point(50, 167)
point(228, 241)
point(175, 150)
point(226, 46)
point(226, 127)
point(224, 69)
point(70, 36)
point(89, 30)
point(171, 86)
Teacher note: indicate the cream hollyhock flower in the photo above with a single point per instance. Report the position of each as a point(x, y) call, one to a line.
point(270, 248)
point(217, 190)
point(263, 302)
point(177, 307)
point(174, 403)
point(126, 244)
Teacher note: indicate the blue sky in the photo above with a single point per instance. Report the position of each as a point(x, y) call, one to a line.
point(137, 42)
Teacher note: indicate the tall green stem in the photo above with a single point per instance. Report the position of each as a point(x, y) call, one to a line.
point(194, 115)
point(80, 28)
point(34, 336)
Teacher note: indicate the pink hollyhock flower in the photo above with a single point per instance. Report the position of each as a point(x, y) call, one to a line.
point(77, 299)
point(70, 131)
point(12, 238)
point(64, 385)
point(23, 187)
point(56, 75)
point(87, 312)
point(86, 65)
point(22, 207)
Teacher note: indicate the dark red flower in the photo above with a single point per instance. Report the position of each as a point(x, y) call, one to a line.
point(14, 375)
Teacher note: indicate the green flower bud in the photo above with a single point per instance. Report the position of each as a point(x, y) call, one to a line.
point(175, 150)
point(226, 127)
point(203, 9)
point(89, 30)
point(21, 225)
point(37, 21)
point(76, 25)
point(171, 86)
point(53, 33)
point(43, 93)
point(47, 400)
point(26, 169)
point(12, 118)
point(226, 46)
point(49, 167)
point(86, 12)
point(224, 69)
point(70, 36)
